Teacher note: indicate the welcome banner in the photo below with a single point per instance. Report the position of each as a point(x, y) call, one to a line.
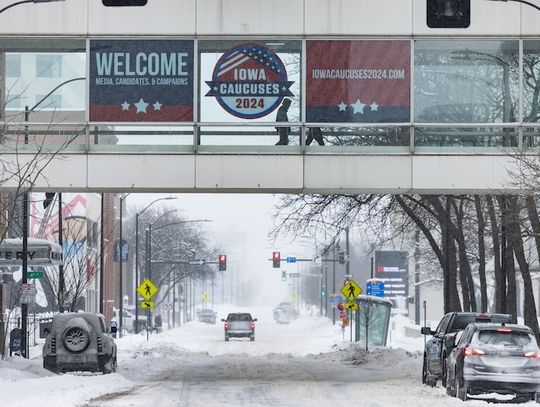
point(141, 81)
point(358, 81)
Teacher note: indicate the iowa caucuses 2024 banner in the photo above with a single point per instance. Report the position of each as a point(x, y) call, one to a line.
point(141, 81)
point(358, 81)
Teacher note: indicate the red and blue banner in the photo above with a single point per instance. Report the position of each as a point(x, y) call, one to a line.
point(249, 81)
point(358, 81)
point(141, 81)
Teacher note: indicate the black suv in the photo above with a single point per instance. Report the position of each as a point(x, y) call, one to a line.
point(436, 351)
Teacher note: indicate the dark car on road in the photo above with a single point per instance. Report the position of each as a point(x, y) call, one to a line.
point(239, 325)
point(494, 358)
point(435, 353)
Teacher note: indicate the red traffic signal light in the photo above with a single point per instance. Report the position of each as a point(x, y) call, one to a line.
point(276, 259)
point(222, 261)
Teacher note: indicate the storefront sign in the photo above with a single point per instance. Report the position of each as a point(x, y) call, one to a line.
point(141, 81)
point(249, 81)
point(358, 81)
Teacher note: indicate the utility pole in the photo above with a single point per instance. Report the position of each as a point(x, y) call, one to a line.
point(334, 284)
point(61, 282)
point(417, 277)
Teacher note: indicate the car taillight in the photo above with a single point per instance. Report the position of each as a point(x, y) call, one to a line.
point(504, 330)
point(226, 325)
point(99, 344)
point(532, 355)
point(253, 325)
point(473, 352)
point(53, 344)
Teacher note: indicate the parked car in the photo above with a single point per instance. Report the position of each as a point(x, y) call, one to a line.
point(208, 316)
point(79, 342)
point(128, 322)
point(435, 352)
point(494, 358)
point(238, 325)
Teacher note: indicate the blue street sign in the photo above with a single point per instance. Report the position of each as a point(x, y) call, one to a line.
point(375, 288)
point(291, 259)
point(336, 298)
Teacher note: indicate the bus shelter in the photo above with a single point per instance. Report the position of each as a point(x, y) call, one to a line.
point(372, 320)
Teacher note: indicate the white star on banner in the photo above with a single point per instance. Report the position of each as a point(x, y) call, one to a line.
point(358, 107)
point(141, 106)
point(125, 105)
point(374, 107)
point(342, 107)
point(157, 105)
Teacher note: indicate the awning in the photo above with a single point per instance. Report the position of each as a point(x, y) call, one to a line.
point(41, 252)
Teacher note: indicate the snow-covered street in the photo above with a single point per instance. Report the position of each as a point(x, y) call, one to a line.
point(305, 363)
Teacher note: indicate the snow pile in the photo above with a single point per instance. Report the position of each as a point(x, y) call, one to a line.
point(25, 383)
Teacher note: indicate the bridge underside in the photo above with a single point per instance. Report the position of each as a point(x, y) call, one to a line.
point(273, 173)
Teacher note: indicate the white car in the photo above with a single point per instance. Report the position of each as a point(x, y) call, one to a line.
point(128, 321)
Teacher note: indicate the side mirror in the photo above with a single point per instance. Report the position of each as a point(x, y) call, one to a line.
point(222, 320)
point(426, 330)
point(255, 320)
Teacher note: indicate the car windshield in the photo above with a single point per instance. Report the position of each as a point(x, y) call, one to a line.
point(496, 339)
point(461, 321)
point(239, 317)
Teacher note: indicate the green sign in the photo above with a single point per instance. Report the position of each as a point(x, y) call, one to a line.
point(35, 274)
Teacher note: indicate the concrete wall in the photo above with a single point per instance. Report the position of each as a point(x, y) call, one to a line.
point(248, 17)
point(273, 173)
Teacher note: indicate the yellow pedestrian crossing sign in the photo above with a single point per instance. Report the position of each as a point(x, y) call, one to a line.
point(351, 290)
point(352, 306)
point(147, 304)
point(147, 289)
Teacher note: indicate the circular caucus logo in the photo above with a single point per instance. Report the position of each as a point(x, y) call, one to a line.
point(249, 81)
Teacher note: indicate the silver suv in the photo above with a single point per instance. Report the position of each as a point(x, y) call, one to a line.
point(79, 342)
point(238, 325)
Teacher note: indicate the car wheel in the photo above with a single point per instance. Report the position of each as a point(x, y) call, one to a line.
point(450, 386)
point(537, 397)
point(76, 339)
point(251, 338)
point(425, 377)
point(444, 373)
point(424, 371)
point(226, 338)
point(461, 389)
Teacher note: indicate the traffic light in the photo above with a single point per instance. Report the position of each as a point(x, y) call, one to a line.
point(124, 3)
point(283, 275)
point(276, 259)
point(49, 196)
point(222, 261)
point(448, 13)
point(341, 257)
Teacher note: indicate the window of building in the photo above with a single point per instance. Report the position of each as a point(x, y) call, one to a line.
point(14, 102)
point(13, 66)
point(51, 102)
point(466, 81)
point(48, 66)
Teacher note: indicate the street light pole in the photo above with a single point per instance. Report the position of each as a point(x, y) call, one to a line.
point(27, 1)
point(136, 295)
point(521, 1)
point(120, 277)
